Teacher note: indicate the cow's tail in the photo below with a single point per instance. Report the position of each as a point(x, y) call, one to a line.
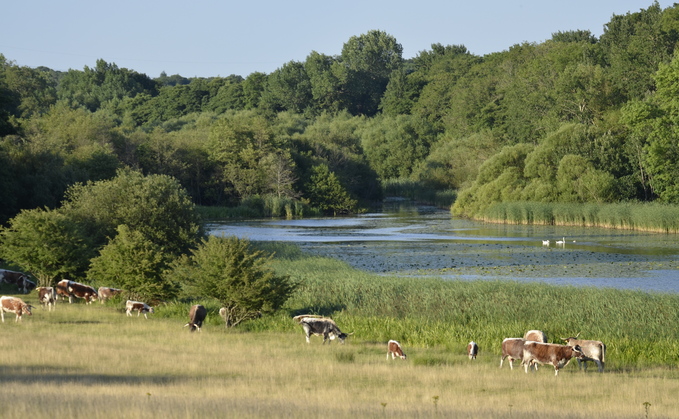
point(603, 352)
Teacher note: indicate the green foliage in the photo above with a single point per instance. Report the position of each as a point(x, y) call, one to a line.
point(326, 192)
point(136, 264)
point(48, 243)
point(155, 206)
point(230, 271)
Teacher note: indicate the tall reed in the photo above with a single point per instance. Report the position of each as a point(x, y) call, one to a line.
point(654, 217)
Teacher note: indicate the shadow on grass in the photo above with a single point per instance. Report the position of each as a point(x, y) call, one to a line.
point(56, 375)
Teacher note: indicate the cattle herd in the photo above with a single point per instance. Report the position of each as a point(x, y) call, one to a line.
point(532, 349)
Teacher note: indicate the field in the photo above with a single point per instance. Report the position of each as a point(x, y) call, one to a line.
point(94, 361)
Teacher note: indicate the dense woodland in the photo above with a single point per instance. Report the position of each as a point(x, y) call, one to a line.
point(575, 118)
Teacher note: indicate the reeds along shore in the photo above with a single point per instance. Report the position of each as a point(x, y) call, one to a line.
point(652, 217)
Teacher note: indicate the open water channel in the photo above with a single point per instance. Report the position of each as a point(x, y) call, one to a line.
point(418, 241)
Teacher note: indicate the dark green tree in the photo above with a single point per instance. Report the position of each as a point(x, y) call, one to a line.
point(136, 264)
point(230, 271)
point(369, 60)
point(47, 243)
point(325, 192)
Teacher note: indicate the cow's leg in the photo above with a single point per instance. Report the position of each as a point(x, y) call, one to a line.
point(18, 317)
point(70, 299)
point(600, 365)
point(2, 314)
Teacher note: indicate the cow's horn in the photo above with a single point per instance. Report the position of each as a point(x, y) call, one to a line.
point(576, 336)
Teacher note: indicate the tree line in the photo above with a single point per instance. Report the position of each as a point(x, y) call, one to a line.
point(575, 118)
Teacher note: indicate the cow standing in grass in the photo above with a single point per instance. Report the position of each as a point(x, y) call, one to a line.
point(549, 353)
point(512, 349)
point(139, 307)
point(197, 315)
point(106, 293)
point(394, 349)
point(320, 326)
point(47, 297)
point(14, 305)
point(472, 350)
point(593, 350)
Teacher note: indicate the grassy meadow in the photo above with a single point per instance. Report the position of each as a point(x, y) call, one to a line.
point(94, 361)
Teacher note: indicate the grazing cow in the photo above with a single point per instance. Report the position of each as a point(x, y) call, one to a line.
point(197, 315)
point(20, 279)
point(14, 305)
point(139, 307)
point(549, 353)
point(76, 289)
point(47, 297)
point(512, 348)
point(472, 350)
point(593, 350)
point(394, 349)
point(320, 326)
point(106, 293)
point(535, 336)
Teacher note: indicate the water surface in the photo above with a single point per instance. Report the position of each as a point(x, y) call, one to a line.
point(424, 241)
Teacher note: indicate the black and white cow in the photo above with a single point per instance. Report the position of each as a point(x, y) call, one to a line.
point(320, 326)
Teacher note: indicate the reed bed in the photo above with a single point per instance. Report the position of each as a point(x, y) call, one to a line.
point(654, 217)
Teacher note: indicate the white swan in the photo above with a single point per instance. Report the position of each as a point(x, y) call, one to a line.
point(562, 241)
point(545, 242)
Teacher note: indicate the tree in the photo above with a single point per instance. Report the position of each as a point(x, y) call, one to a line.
point(47, 243)
point(230, 271)
point(369, 59)
point(326, 192)
point(136, 264)
point(155, 205)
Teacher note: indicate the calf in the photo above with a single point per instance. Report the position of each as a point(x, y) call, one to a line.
point(20, 279)
point(472, 350)
point(14, 305)
point(139, 307)
point(394, 349)
point(320, 326)
point(549, 353)
point(593, 350)
point(47, 297)
point(535, 336)
point(106, 293)
point(512, 348)
point(197, 315)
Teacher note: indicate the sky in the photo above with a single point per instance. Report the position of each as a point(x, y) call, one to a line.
point(210, 38)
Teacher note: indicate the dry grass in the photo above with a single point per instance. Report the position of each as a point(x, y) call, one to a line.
point(94, 362)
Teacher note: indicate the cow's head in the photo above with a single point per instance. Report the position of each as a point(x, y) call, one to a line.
point(26, 309)
point(342, 336)
point(577, 352)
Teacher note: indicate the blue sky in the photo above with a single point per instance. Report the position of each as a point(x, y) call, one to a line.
point(206, 38)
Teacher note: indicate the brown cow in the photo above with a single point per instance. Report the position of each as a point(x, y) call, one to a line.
point(20, 279)
point(70, 289)
point(394, 349)
point(197, 315)
point(472, 350)
point(139, 307)
point(593, 350)
point(512, 348)
point(47, 297)
point(549, 353)
point(14, 305)
point(106, 293)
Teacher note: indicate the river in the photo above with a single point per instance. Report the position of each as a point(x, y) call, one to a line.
point(419, 241)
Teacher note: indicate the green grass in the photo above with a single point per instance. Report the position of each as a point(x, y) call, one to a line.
point(632, 216)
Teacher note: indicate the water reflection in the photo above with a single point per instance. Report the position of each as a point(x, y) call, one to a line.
point(424, 241)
